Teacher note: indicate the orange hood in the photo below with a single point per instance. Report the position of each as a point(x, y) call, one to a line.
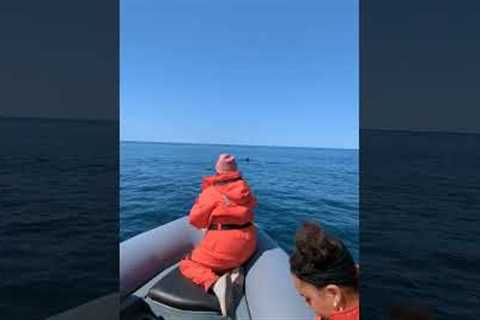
point(232, 186)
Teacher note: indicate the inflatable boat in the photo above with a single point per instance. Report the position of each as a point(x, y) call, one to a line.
point(151, 287)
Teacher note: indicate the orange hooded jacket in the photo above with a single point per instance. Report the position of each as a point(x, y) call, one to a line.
point(350, 314)
point(225, 199)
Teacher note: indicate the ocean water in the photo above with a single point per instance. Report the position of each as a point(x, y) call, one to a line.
point(419, 215)
point(160, 181)
point(59, 207)
point(59, 215)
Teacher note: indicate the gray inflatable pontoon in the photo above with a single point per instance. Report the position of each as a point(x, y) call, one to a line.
point(152, 288)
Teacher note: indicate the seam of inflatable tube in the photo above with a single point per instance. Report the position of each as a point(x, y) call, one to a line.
point(246, 300)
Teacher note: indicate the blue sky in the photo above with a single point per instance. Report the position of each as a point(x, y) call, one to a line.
point(251, 72)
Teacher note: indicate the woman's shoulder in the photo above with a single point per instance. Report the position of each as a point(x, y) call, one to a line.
point(350, 314)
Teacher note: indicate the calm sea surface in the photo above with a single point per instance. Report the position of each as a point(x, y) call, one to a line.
point(59, 215)
point(60, 227)
point(159, 183)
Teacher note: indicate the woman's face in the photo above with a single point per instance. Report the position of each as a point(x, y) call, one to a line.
point(321, 300)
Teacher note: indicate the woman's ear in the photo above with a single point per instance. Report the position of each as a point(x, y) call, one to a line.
point(333, 293)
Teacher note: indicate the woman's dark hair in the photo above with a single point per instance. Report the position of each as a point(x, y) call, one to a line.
point(321, 259)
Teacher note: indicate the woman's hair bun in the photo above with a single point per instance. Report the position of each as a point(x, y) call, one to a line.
point(318, 254)
point(316, 246)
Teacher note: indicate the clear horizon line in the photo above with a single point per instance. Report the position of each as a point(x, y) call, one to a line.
point(238, 145)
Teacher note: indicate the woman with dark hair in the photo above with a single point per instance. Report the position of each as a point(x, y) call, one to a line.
point(325, 274)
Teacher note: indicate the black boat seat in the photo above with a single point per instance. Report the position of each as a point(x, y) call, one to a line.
point(176, 291)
